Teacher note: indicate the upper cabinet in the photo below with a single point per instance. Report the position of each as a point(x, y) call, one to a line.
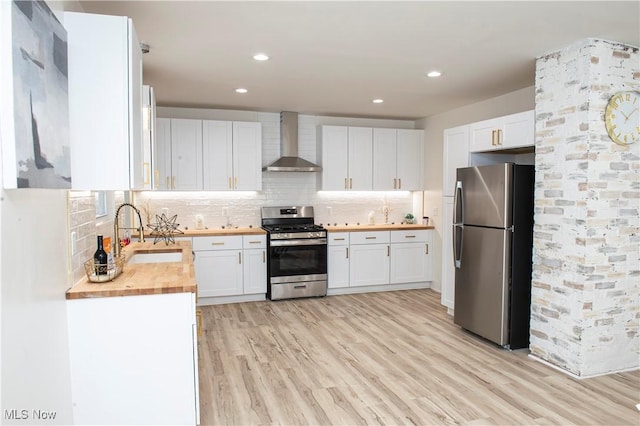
point(232, 154)
point(508, 132)
point(212, 155)
point(398, 158)
point(105, 102)
point(455, 154)
point(347, 158)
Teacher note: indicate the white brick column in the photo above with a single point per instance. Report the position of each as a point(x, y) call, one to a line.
point(585, 288)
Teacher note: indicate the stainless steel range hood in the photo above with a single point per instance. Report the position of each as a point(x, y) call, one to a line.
point(289, 160)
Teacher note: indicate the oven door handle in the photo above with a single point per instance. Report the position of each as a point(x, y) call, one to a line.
point(309, 242)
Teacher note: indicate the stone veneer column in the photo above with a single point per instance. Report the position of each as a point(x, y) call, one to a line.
point(585, 288)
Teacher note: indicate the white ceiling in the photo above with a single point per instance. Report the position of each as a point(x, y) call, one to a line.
point(333, 58)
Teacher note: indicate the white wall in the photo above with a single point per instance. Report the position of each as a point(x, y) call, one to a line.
point(434, 126)
point(34, 271)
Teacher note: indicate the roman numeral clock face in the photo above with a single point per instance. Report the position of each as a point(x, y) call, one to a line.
point(622, 118)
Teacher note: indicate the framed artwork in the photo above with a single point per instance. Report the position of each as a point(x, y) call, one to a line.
point(34, 102)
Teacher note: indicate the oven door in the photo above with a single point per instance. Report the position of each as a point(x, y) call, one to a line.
point(297, 260)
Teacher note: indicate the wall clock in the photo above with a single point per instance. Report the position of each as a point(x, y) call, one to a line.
point(622, 118)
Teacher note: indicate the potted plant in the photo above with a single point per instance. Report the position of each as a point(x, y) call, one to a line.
point(408, 218)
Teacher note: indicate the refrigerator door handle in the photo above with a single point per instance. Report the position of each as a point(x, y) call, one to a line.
point(458, 205)
point(458, 238)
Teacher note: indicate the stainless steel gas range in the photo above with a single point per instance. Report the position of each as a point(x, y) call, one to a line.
point(296, 253)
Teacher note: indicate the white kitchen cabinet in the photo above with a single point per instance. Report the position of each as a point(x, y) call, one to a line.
point(448, 269)
point(218, 265)
point(232, 155)
point(455, 154)
point(502, 133)
point(347, 158)
point(254, 260)
point(178, 155)
point(338, 260)
point(134, 359)
point(369, 258)
point(105, 102)
point(411, 256)
point(398, 158)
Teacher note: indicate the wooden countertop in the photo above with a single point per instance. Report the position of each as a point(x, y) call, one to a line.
point(382, 227)
point(221, 232)
point(144, 278)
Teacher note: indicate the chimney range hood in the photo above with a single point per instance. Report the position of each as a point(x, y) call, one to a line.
point(289, 160)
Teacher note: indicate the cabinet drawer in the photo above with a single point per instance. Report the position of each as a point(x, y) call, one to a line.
point(408, 236)
point(338, 238)
point(217, 243)
point(254, 241)
point(373, 237)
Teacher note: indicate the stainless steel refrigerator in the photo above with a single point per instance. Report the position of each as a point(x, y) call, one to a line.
point(493, 239)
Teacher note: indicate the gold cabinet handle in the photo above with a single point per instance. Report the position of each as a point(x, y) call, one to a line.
point(168, 182)
point(350, 183)
point(264, 257)
point(394, 183)
point(370, 238)
point(219, 243)
point(399, 183)
point(493, 138)
point(426, 248)
point(199, 320)
point(388, 251)
point(409, 236)
point(346, 183)
point(239, 258)
point(499, 142)
point(230, 187)
point(338, 239)
point(156, 174)
point(236, 183)
point(174, 182)
point(347, 248)
point(147, 173)
point(255, 242)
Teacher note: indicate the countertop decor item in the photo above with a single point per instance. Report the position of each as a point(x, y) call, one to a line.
point(165, 229)
point(112, 272)
point(409, 219)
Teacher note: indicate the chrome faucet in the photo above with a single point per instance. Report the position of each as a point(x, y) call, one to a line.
point(116, 228)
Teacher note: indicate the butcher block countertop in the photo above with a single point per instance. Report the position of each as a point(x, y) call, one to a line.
point(144, 278)
point(213, 232)
point(382, 227)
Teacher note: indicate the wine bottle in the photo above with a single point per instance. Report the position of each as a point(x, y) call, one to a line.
point(100, 260)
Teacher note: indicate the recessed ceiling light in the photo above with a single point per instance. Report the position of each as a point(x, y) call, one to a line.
point(260, 57)
point(241, 90)
point(378, 101)
point(434, 73)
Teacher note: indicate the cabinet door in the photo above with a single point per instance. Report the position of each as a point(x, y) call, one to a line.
point(247, 156)
point(455, 152)
point(369, 264)
point(219, 273)
point(162, 156)
point(360, 158)
point(410, 159)
point(255, 271)
point(518, 130)
point(217, 155)
point(410, 263)
point(186, 154)
point(385, 177)
point(132, 359)
point(447, 290)
point(101, 100)
point(338, 266)
point(335, 161)
point(484, 135)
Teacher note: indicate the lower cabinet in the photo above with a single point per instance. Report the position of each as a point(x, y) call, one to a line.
point(369, 263)
point(134, 359)
point(379, 258)
point(410, 256)
point(230, 265)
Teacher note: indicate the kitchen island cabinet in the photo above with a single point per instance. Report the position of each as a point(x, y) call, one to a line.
point(133, 344)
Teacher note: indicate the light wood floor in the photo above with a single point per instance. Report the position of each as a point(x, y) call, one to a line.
point(390, 358)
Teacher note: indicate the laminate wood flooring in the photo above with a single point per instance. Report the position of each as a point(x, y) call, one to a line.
point(390, 358)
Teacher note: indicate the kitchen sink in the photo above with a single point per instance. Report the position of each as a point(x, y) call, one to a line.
point(156, 256)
